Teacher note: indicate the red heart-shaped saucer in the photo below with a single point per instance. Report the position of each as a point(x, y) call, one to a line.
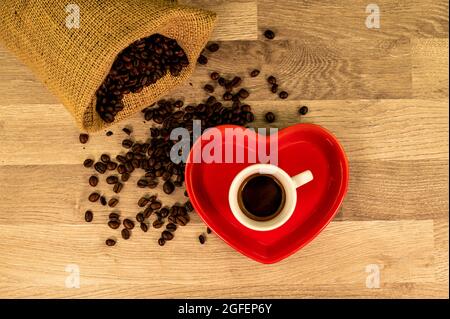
point(300, 147)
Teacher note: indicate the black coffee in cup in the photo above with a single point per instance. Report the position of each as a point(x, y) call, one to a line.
point(261, 197)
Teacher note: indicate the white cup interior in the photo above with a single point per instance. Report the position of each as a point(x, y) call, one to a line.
point(290, 197)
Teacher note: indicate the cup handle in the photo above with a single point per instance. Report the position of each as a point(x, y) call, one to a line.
point(302, 178)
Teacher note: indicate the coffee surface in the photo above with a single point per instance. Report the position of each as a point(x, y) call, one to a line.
point(262, 196)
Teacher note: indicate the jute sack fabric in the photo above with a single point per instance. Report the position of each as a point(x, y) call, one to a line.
point(73, 62)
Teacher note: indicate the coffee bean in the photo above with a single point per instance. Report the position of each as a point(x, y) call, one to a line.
point(121, 169)
point(117, 188)
point(125, 233)
point(126, 130)
point(155, 205)
point(105, 158)
point(113, 202)
point(93, 181)
point(149, 115)
point(215, 76)
point(157, 223)
point(168, 187)
point(136, 163)
point(167, 235)
point(109, 133)
point(152, 183)
point(114, 223)
point(227, 96)
point(125, 177)
point(208, 230)
point(283, 95)
point(303, 110)
point(110, 242)
point(128, 223)
point(222, 81)
point(129, 156)
point(171, 227)
point(166, 176)
point(140, 217)
point(246, 108)
point(161, 241)
point(272, 80)
point(88, 163)
point(213, 47)
point(84, 138)
point(178, 104)
point(202, 59)
point(111, 166)
point(202, 239)
point(186, 194)
point(113, 216)
point(148, 212)
point(94, 197)
point(121, 159)
point(127, 143)
point(88, 216)
point(182, 220)
point(142, 183)
point(270, 117)
point(188, 206)
point(254, 73)
point(143, 201)
point(236, 81)
point(103, 200)
point(100, 167)
point(164, 212)
point(112, 180)
point(144, 227)
point(269, 34)
point(129, 167)
point(274, 88)
point(243, 93)
point(208, 88)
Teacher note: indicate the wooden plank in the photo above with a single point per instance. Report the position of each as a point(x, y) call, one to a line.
point(331, 20)
point(37, 256)
point(393, 190)
point(342, 69)
point(381, 190)
point(386, 129)
point(166, 290)
point(441, 251)
point(430, 68)
point(18, 85)
point(346, 69)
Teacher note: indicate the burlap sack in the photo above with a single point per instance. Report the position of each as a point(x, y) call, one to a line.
point(73, 62)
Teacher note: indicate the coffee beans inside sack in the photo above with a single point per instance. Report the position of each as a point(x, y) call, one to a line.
point(83, 61)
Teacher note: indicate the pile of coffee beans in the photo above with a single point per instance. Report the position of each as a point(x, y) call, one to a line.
point(141, 64)
point(152, 157)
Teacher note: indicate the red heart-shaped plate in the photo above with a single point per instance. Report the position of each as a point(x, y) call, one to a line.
point(300, 147)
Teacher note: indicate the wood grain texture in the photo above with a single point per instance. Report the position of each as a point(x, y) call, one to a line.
point(430, 65)
point(330, 20)
point(383, 93)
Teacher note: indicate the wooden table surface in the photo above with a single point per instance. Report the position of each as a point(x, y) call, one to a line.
point(382, 92)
